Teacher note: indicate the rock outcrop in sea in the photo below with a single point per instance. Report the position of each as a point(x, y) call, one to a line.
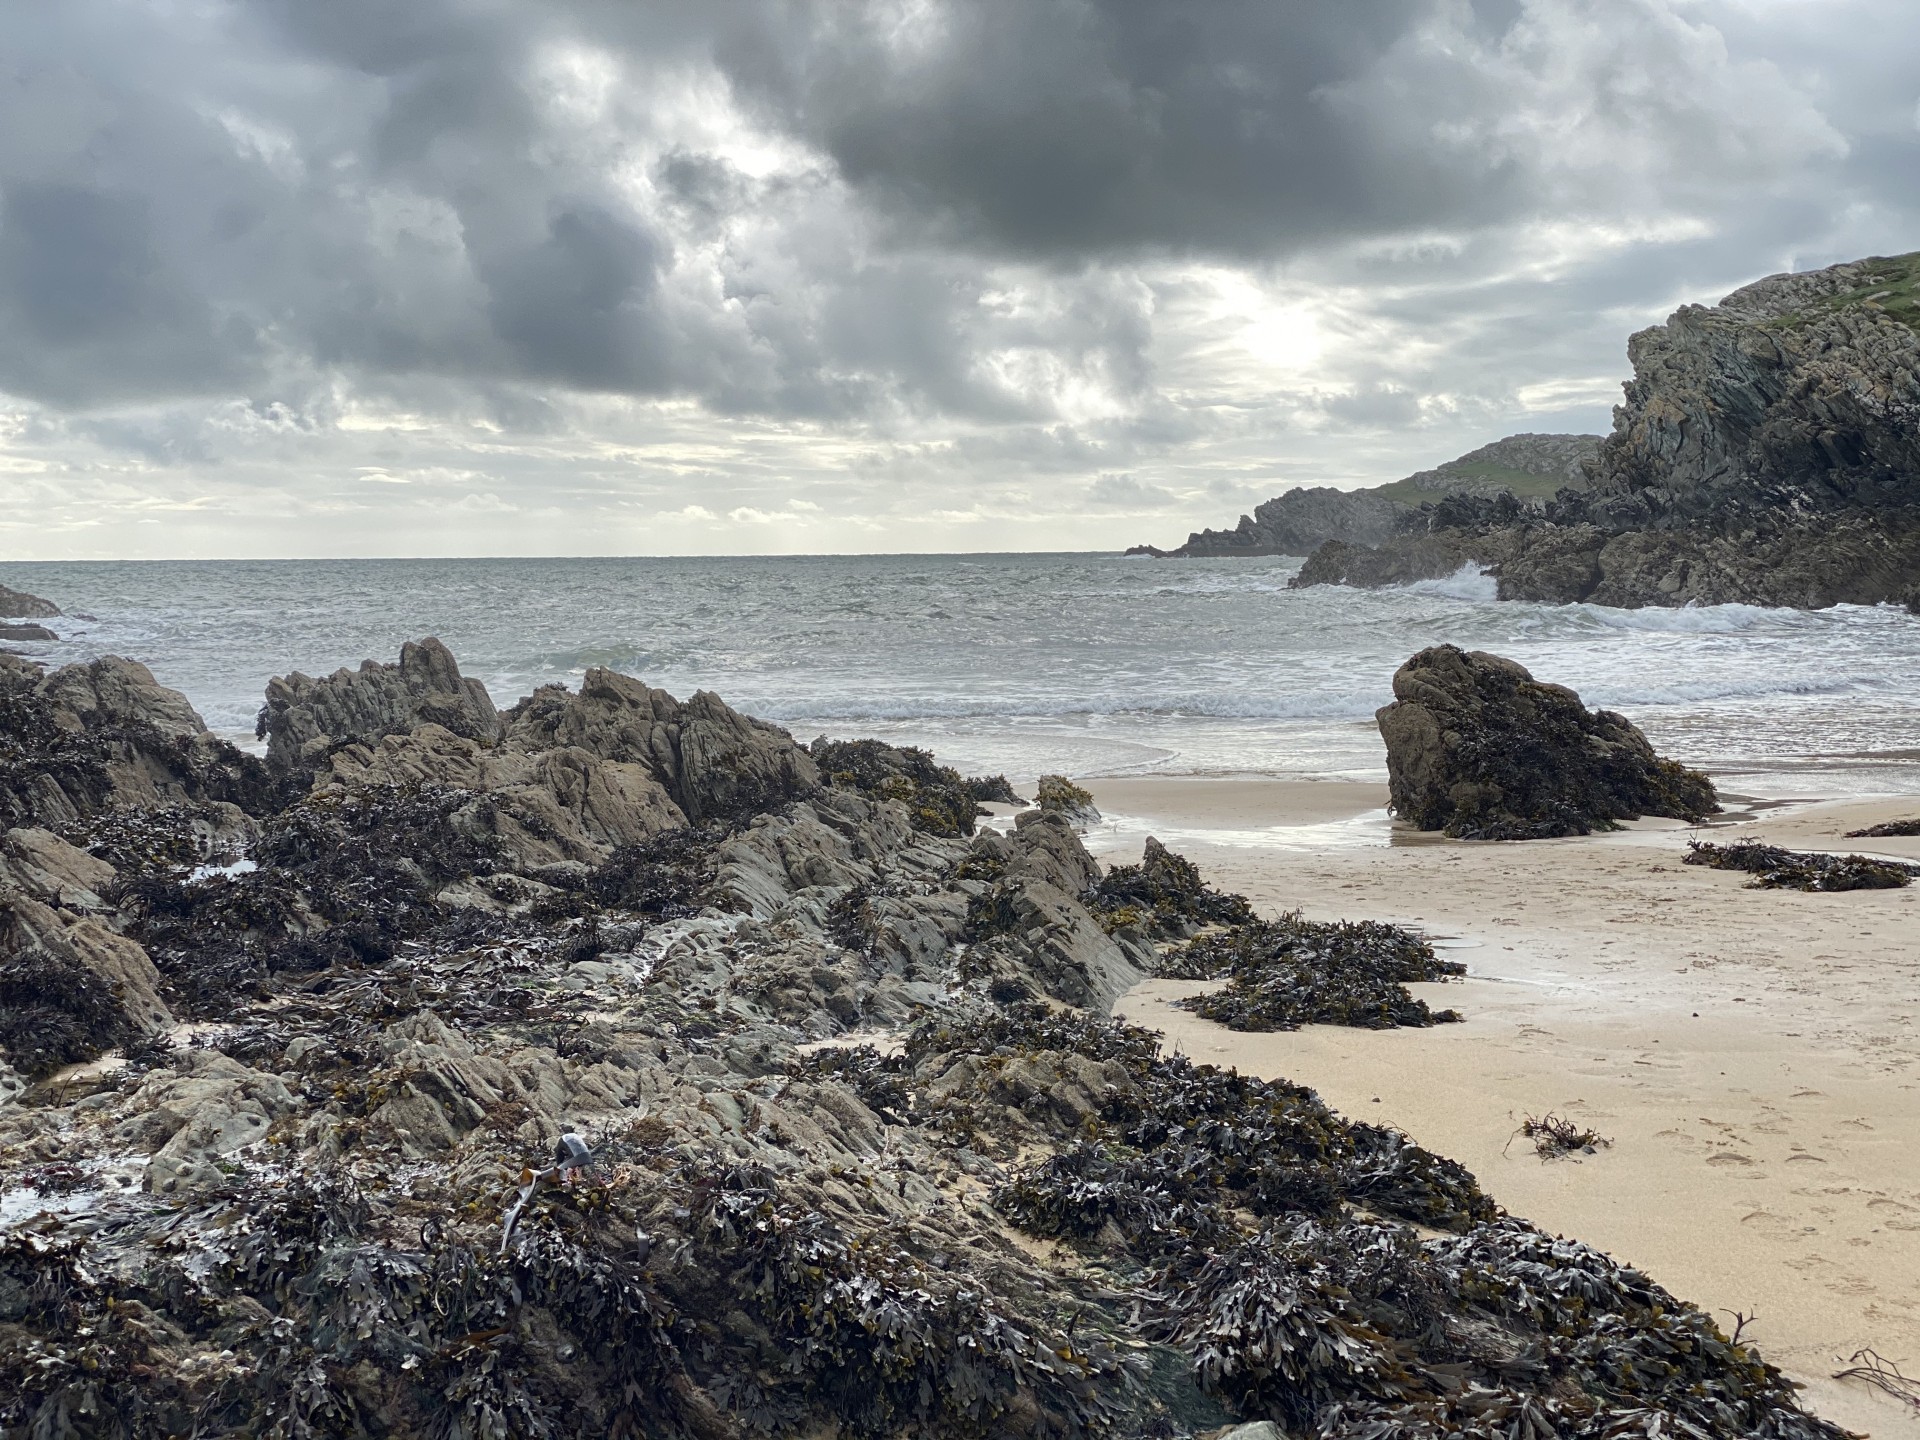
point(1480, 749)
point(1523, 468)
point(18, 605)
point(1768, 452)
point(291, 1046)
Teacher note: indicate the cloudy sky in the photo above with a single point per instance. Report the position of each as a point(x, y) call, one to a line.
point(729, 276)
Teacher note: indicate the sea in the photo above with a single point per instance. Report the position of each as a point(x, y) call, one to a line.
point(1081, 664)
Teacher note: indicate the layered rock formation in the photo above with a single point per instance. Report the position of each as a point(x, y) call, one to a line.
point(327, 1205)
point(1768, 452)
point(1480, 749)
point(1527, 468)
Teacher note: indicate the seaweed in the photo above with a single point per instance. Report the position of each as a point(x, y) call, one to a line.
point(938, 798)
point(881, 1081)
point(1554, 1137)
point(1890, 830)
point(894, 1346)
point(1282, 974)
point(1059, 794)
point(55, 1012)
point(663, 875)
point(1164, 895)
point(1776, 869)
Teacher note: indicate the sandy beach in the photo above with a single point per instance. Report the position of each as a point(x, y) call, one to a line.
point(1754, 1056)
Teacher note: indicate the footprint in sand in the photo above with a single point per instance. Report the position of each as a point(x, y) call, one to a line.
point(1726, 1157)
point(1802, 1155)
point(1894, 1215)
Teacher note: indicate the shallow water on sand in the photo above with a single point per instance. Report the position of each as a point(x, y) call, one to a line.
point(1088, 664)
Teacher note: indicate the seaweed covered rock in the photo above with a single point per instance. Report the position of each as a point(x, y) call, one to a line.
point(1163, 895)
point(1774, 868)
point(943, 801)
point(1282, 974)
point(304, 718)
point(1480, 749)
point(824, 1122)
point(19, 605)
point(70, 986)
point(1060, 796)
point(104, 735)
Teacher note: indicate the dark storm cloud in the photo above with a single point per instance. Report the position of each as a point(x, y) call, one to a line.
point(1067, 246)
point(1077, 129)
point(204, 201)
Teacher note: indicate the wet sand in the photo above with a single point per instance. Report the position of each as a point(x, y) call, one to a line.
point(1753, 1055)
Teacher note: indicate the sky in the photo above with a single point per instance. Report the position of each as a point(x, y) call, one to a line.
point(556, 277)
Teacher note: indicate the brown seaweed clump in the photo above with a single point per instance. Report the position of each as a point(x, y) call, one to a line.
point(1555, 1136)
point(1164, 895)
point(1773, 868)
point(1282, 974)
point(940, 799)
point(1890, 830)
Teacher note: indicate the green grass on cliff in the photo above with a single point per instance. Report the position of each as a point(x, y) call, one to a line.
point(1895, 289)
point(1523, 483)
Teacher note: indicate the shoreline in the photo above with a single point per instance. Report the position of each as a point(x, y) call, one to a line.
point(1753, 1055)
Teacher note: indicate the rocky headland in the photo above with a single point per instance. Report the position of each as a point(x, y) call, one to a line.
point(612, 1064)
point(1768, 452)
point(1522, 469)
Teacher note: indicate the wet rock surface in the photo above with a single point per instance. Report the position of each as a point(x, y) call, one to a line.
point(846, 1143)
point(1480, 749)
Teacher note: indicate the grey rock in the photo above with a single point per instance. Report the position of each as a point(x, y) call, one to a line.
point(18, 604)
point(27, 632)
point(712, 760)
point(304, 717)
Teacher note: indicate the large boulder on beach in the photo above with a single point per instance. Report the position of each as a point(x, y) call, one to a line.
point(1480, 749)
point(305, 718)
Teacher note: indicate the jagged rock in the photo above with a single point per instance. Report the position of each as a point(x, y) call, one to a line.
point(559, 805)
point(204, 1109)
point(1057, 795)
point(90, 737)
point(713, 761)
point(41, 865)
point(1296, 522)
point(304, 717)
point(1476, 746)
point(27, 632)
point(1397, 562)
point(18, 605)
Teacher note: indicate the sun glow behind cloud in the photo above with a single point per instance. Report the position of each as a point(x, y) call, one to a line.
point(916, 275)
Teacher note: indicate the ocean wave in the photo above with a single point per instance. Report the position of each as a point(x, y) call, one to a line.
point(1469, 582)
